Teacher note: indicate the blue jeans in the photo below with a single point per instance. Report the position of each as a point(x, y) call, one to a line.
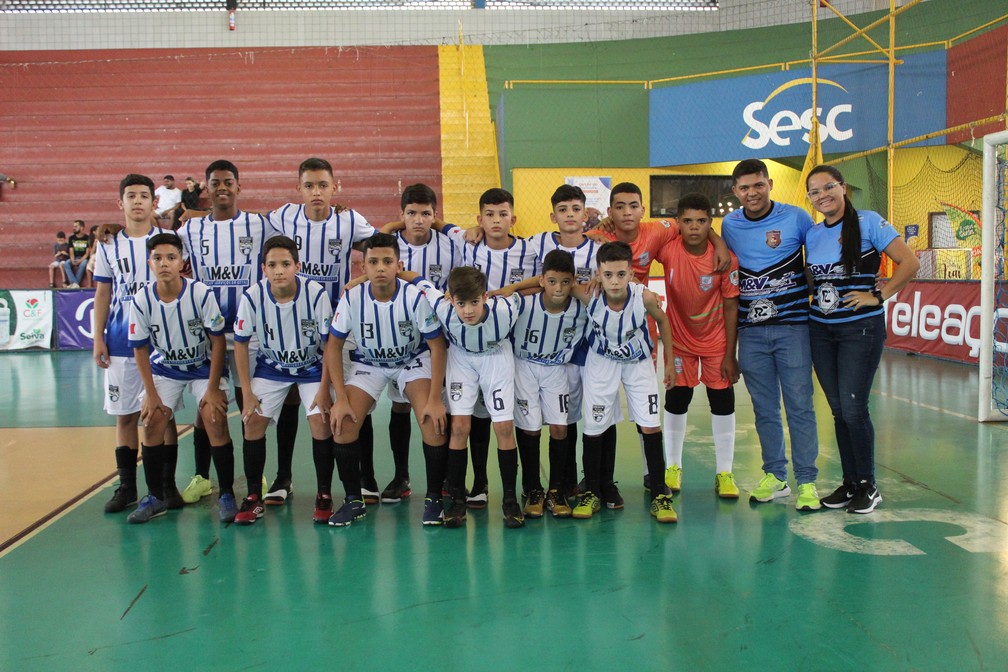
point(75, 276)
point(775, 360)
point(846, 357)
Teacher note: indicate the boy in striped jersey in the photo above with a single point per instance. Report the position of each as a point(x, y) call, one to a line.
point(181, 321)
point(290, 316)
point(224, 248)
point(620, 352)
point(398, 343)
point(503, 259)
point(548, 331)
point(120, 269)
point(480, 362)
point(325, 236)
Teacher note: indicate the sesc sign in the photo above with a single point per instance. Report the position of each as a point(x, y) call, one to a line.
point(769, 115)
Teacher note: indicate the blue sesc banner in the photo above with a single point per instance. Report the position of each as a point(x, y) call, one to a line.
point(73, 319)
point(769, 115)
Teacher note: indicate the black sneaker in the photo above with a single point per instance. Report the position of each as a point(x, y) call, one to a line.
point(396, 490)
point(455, 509)
point(647, 482)
point(866, 498)
point(278, 492)
point(369, 491)
point(611, 496)
point(513, 517)
point(172, 497)
point(478, 496)
point(839, 498)
point(122, 498)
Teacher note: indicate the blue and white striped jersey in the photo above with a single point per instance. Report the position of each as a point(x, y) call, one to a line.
point(584, 254)
point(482, 338)
point(123, 264)
point(178, 329)
point(387, 333)
point(292, 334)
point(502, 267)
point(323, 247)
point(226, 256)
point(433, 261)
point(620, 334)
point(548, 338)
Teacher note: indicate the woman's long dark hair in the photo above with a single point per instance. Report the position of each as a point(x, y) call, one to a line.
point(850, 230)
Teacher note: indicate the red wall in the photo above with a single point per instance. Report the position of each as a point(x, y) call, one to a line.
point(976, 83)
point(73, 123)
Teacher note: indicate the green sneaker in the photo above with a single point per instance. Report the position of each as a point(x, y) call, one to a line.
point(673, 478)
point(808, 498)
point(587, 505)
point(724, 485)
point(770, 488)
point(661, 509)
point(197, 489)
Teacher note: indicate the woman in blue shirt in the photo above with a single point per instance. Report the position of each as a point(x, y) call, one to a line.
point(847, 323)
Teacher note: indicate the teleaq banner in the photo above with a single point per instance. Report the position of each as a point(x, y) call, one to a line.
point(769, 115)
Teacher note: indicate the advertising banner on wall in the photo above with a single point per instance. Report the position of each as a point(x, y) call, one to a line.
point(769, 115)
point(73, 319)
point(26, 319)
point(941, 319)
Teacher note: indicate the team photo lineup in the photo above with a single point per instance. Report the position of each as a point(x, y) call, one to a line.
point(473, 331)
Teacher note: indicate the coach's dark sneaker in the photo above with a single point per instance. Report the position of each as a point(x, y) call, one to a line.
point(611, 496)
point(150, 507)
point(866, 498)
point(369, 491)
point(396, 490)
point(352, 509)
point(455, 510)
point(513, 517)
point(278, 492)
point(172, 497)
point(122, 498)
point(839, 498)
point(478, 496)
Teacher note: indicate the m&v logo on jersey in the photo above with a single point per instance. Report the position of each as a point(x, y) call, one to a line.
point(406, 328)
point(335, 246)
point(245, 245)
point(307, 327)
point(195, 327)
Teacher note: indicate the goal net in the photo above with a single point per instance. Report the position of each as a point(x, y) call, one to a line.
point(993, 402)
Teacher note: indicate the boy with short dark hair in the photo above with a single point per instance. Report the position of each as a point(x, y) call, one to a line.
point(620, 353)
point(702, 308)
point(290, 316)
point(398, 343)
point(180, 320)
point(61, 253)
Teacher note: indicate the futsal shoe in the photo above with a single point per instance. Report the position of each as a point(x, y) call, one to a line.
point(557, 504)
point(534, 503)
point(673, 478)
point(397, 489)
point(513, 517)
point(808, 498)
point(661, 509)
point(251, 510)
point(279, 492)
point(352, 509)
point(323, 508)
point(369, 491)
point(839, 498)
point(587, 506)
point(455, 510)
point(150, 507)
point(122, 498)
point(724, 485)
point(612, 497)
point(173, 499)
point(770, 488)
point(478, 497)
point(197, 489)
point(866, 498)
point(433, 511)
point(227, 507)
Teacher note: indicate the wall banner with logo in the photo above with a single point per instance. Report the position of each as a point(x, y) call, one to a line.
point(768, 115)
point(941, 319)
point(73, 319)
point(26, 319)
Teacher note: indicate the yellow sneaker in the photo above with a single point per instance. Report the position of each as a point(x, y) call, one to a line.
point(661, 509)
point(673, 478)
point(724, 485)
point(587, 505)
point(197, 489)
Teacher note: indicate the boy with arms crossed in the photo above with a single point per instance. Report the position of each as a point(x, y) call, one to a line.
point(181, 321)
point(620, 352)
point(702, 308)
point(120, 269)
point(398, 341)
point(291, 316)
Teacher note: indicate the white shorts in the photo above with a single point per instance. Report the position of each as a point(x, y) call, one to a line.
point(253, 350)
point(541, 395)
point(492, 374)
point(271, 395)
point(601, 392)
point(123, 386)
point(574, 391)
point(170, 390)
point(373, 379)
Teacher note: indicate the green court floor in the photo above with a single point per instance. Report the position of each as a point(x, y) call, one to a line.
point(921, 584)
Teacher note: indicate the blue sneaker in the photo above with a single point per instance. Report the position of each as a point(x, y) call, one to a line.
point(150, 507)
point(352, 509)
point(228, 508)
point(433, 512)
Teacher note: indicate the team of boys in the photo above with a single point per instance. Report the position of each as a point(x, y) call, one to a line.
point(467, 328)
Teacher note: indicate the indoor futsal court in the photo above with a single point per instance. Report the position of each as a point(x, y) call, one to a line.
point(914, 586)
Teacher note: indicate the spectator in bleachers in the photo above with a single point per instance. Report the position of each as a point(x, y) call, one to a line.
point(80, 250)
point(168, 197)
point(191, 196)
point(61, 253)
